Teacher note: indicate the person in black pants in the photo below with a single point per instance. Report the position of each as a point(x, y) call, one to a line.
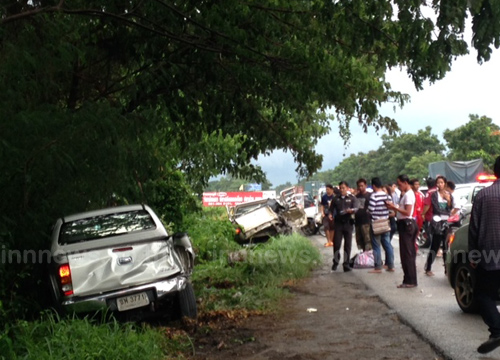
point(342, 208)
point(442, 204)
point(407, 229)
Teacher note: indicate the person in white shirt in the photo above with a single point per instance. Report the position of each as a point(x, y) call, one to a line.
point(407, 229)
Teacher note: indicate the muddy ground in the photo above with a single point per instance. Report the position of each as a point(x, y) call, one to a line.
point(350, 323)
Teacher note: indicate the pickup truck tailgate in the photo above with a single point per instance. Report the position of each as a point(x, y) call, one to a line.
point(106, 269)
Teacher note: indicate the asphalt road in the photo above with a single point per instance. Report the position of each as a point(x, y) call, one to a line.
point(430, 309)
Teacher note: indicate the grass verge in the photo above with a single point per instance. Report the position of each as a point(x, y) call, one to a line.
point(256, 281)
point(52, 337)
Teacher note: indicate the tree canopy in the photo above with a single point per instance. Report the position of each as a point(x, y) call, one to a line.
point(228, 183)
point(411, 154)
point(392, 158)
point(478, 139)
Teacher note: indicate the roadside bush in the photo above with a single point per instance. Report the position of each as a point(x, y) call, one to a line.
point(212, 234)
point(257, 281)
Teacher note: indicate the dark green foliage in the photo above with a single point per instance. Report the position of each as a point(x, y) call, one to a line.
point(390, 159)
point(412, 153)
point(212, 234)
point(478, 139)
point(229, 183)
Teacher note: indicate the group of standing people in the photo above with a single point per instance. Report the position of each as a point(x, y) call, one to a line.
point(398, 207)
point(409, 210)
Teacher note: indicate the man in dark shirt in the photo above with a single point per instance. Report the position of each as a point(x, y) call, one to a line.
point(361, 219)
point(343, 206)
point(484, 252)
point(326, 200)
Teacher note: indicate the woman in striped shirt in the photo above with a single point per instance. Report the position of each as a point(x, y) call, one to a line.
point(378, 210)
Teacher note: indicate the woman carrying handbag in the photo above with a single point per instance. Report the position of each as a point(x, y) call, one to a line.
point(381, 228)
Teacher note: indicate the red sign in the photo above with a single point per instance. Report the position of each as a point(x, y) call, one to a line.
point(230, 198)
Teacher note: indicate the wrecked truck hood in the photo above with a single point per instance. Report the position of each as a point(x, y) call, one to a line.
point(254, 221)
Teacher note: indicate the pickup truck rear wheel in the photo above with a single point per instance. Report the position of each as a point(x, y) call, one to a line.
point(55, 297)
point(187, 302)
point(465, 281)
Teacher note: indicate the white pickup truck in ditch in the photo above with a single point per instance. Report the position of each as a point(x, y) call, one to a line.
point(121, 259)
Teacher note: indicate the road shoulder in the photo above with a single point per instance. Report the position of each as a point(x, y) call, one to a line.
point(350, 322)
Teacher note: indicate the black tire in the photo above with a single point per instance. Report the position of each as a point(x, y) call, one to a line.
point(55, 297)
point(321, 231)
point(310, 229)
point(465, 282)
point(187, 302)
point(423, 240)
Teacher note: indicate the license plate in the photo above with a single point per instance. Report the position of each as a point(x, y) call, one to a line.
point(132, 301)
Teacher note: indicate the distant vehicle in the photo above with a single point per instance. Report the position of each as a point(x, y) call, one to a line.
point(121, 259)
point(464, 194)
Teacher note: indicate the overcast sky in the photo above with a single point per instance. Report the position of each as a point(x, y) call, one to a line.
point(468, 89)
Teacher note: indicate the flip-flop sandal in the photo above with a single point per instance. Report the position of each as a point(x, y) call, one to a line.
point(328, 244)
point(429, 273)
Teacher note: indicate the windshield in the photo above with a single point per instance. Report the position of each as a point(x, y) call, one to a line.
point(99, 227)
point(242, 210)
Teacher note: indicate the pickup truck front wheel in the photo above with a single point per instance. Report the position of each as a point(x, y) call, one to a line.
point(187, 302)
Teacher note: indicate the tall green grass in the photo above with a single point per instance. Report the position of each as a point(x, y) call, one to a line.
point(74, 338)
point(256, 282)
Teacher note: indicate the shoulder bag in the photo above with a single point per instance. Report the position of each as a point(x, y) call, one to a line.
point(381, 226)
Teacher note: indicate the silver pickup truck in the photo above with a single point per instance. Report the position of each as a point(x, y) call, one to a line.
point(121, 259)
